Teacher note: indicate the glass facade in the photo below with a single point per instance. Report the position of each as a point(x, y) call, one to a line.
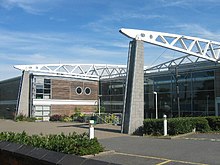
point(41, 88)
point(194, 90)
point(181, 91)
point(112, 94)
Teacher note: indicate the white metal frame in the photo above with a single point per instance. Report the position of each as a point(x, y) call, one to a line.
point(173, 63)
point(85, 71)
point(202, 48)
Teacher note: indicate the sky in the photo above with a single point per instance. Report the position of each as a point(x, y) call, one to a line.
point(87, 31)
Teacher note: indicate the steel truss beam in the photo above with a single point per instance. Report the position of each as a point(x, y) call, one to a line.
point(174, 63)
point(194, 46)
point(86, 71)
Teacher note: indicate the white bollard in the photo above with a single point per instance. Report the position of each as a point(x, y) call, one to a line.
point(165, 125)
point(91, 129)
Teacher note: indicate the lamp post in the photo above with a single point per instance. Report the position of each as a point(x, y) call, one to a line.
point(99, 103)
point(177, 90)
point(156, 105)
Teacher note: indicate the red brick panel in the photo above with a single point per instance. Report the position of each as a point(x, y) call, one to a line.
point(66, 89)
point(84, 84)
point(61, 89)
point(70, 109)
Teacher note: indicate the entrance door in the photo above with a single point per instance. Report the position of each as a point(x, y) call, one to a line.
point(42, 112)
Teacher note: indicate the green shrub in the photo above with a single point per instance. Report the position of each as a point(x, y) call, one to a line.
point(180, 125)
point(176, 125)
point(56, 117)
point(153, 127)
point(201, 124)
point(66, 118)
point(111, 118)
point(78, 116)
point(22, 117)
point(78, 144)
point(77, 112)
point(214, 122)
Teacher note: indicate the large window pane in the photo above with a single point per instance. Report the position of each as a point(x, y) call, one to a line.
point(42, 88)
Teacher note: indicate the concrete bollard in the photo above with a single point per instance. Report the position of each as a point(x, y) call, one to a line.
point(165, 125)
point(91, 129)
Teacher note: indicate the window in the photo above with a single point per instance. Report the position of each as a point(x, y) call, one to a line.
point(42, 88)
point(79, 90)
point(87, 91)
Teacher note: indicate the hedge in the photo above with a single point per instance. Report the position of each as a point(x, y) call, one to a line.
point(201, 124)
point(214, 122)
point(180, 126)
point(176, 125)
point(153, 126)
point(78, 144)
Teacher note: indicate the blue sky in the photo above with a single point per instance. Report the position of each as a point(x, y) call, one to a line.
point(86, 31)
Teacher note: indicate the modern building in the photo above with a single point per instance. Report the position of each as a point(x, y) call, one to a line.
point(186, 86)
point(196, 86)
point(45, 90)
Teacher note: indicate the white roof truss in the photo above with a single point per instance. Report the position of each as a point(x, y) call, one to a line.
point(202, 48)
point(174, 63)
point(87, 71)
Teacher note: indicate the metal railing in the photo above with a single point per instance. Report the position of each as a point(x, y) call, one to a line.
point(108, 118)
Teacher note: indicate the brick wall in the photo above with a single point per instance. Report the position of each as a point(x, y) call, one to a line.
point(70, 109)
point(66, 89)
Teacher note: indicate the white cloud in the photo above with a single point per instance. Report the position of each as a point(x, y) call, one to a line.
point(196, 30)
point(182, 3)
point(20, 48)
point(29, 6)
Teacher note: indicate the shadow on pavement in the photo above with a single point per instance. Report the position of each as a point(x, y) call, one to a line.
point(97, 127)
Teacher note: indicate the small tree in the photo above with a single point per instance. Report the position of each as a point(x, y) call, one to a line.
point(77, 112)
point(78, 116)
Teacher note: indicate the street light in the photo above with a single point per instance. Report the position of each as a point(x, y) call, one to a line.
point(99, 96)
point(156, 105)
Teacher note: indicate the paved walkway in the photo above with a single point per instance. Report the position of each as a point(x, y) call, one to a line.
point(128, 150)
point(101, 130)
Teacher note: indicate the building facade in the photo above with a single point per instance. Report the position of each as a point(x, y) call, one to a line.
point(196, 86)
point(59, 95)
point(41, 95)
